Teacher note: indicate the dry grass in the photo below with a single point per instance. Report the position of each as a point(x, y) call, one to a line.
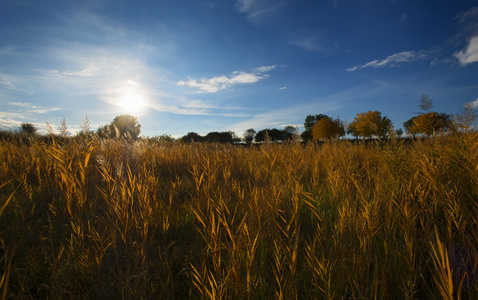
point(125, 220)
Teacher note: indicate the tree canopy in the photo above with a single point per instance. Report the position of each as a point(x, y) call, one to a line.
point(192, 137)
point(309, 124)
point(408, 126)
point(327, 128)
point(370, 123)
point(124, 126)
point(430, 123)
point(28, 128)
point(273, 134)
point(249, 135)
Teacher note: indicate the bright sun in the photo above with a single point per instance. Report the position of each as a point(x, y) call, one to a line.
point(132, 102)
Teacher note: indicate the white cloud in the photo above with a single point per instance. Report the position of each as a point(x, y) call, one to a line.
point(475, 103)
point(264, 69)
point(392, 60)
point(215, 84)
point(470, 54)
point(283, 88)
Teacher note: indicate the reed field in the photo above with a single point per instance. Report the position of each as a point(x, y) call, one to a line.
point(116, 219)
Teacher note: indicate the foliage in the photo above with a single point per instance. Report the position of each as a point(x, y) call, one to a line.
point(430, 123)
point(127, 126)
point(220, 137)
point(327, 128)
point(408, 126)
point(370, 123)
point(399, 132)
point(249, 135)
point(273, 134)
point(192, 137)
point(309, 124)
point(131, 220)
point(124, 126)
point(28, 128)
point(163, 138)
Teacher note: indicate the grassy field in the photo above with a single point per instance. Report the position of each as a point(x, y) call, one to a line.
point(139, 220)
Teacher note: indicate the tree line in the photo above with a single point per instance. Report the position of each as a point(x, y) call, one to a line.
point(316, 127)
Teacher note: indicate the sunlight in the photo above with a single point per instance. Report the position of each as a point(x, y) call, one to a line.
point(132, 99)
point(132, 102)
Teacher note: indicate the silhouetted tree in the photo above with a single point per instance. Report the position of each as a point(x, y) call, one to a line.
point(219, 137)
point(124, 126)
point(273, 134)
point(399, 132)
point(28, 128)
point(249, 135)
point(288, 133)
point(192, 137)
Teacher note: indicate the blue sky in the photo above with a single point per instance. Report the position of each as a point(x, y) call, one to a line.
point(218, 65)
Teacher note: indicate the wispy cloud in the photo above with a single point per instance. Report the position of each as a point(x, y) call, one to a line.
point(393, 60)
point(33, 108)
point(218, 83)
point(469, 54)
point(469, 19)
point(312, 43)
point(260, 11)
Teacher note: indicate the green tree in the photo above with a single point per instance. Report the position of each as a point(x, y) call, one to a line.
point(370, 123)
point(28, 128)
point(327, 128)
point(249, 135)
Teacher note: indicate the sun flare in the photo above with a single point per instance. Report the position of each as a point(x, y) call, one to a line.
point(132, 102)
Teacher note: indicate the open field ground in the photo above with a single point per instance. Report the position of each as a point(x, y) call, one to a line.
point(138, 220)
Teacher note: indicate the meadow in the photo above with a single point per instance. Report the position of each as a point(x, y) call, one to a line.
point(117, 219)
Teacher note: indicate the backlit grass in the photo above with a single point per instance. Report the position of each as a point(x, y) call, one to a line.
point(116, 219)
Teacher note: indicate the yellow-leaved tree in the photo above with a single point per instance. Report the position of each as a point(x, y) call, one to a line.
point(327, 128)
point(370, 123)
point(430, 123)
